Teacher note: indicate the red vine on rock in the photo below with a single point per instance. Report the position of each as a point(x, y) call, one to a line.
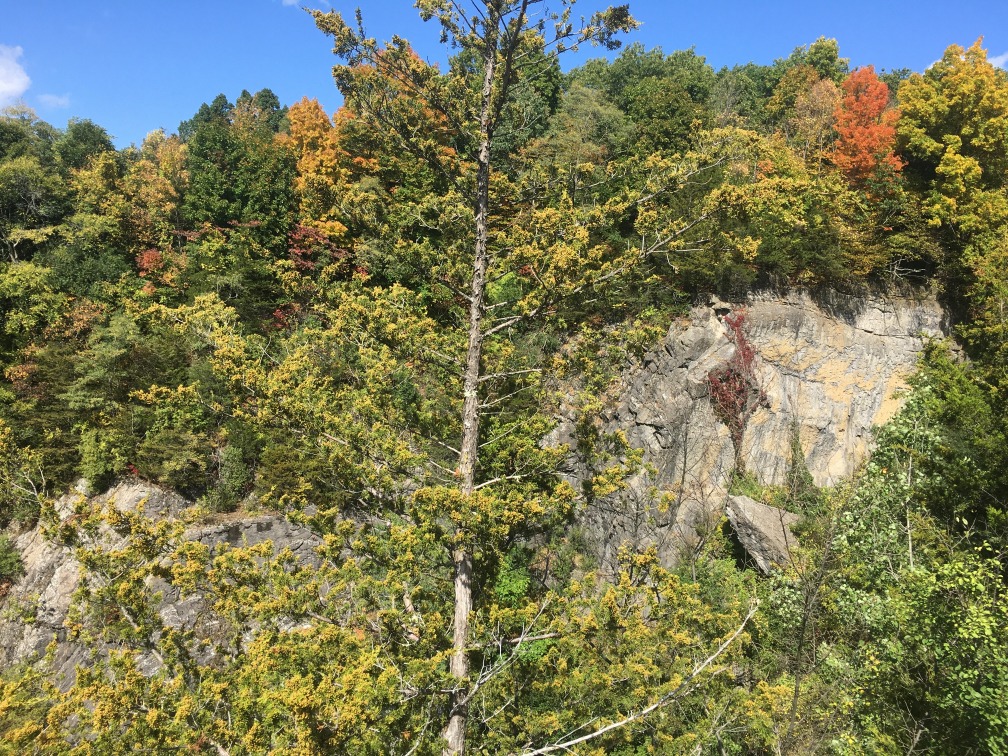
point(734, 392)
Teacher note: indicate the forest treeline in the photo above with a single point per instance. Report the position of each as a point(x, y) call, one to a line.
point(275, 309)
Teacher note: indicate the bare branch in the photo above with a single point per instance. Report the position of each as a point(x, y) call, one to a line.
point(502, 399)
point(501, 479)
point(500, 666)
point(661, 702)
point(495, 376)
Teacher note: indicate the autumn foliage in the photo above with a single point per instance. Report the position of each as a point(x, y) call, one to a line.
point(408, 326)
point(734, 389)
point(866, 128)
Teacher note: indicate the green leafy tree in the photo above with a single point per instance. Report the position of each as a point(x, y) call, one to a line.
point(778, 222)
point(664, 96)
point(32, 202)
point(263, 108)
point(91, 256)
point(82, 141)
point(986, 331)
point(887, 622)
point(796, 83)
point(22, 133)
point(739, 95)
point(824, 56)
point(219, 109)
point(31, 302)
point(154, 185)
point(586, 132)
point(24, 487)
point(239, 207)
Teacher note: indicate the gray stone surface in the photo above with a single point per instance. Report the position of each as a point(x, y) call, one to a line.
point(33, 613)
point(830, 368)
point(764, 532)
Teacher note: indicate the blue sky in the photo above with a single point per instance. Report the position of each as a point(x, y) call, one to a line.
point(133, 66)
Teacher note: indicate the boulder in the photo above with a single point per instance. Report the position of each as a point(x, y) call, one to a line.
point(764, 532)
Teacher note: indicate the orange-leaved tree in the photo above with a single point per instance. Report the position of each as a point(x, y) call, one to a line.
point(866, 128)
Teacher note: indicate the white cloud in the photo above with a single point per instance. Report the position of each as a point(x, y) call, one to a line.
point(13, 79)
point(54, 101)
point(999, 60)
point(289, 2)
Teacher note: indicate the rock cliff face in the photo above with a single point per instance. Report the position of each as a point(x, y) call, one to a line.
point(827, 369)
point(33, 612)
point(834, 369)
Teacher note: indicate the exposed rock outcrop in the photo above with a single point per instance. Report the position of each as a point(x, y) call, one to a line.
point(828, 369)
point(833, 368)
point(33, 613)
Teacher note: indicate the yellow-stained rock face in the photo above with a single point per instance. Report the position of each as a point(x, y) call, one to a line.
point(830, 368)
point(893, 393)
point(833, 369)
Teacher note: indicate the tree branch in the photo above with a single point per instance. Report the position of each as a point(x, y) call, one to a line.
point(661, 702)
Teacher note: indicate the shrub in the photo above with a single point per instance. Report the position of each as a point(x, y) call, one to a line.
point(10, 562)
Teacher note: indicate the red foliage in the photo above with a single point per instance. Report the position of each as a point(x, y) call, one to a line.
point(733, 389)
point(308, 248)
point(286, 316)
point(280, 320)
point(302, 247)
point(149, 261)
point(865, 126)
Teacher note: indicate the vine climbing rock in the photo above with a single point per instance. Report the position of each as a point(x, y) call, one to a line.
point(733, 388)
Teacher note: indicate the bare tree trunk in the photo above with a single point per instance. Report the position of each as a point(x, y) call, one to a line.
point(909, 526)
point(469, 448)
point(455, 732)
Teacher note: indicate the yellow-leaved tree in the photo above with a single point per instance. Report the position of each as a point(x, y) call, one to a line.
point(953, 130)
point(444, 609)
